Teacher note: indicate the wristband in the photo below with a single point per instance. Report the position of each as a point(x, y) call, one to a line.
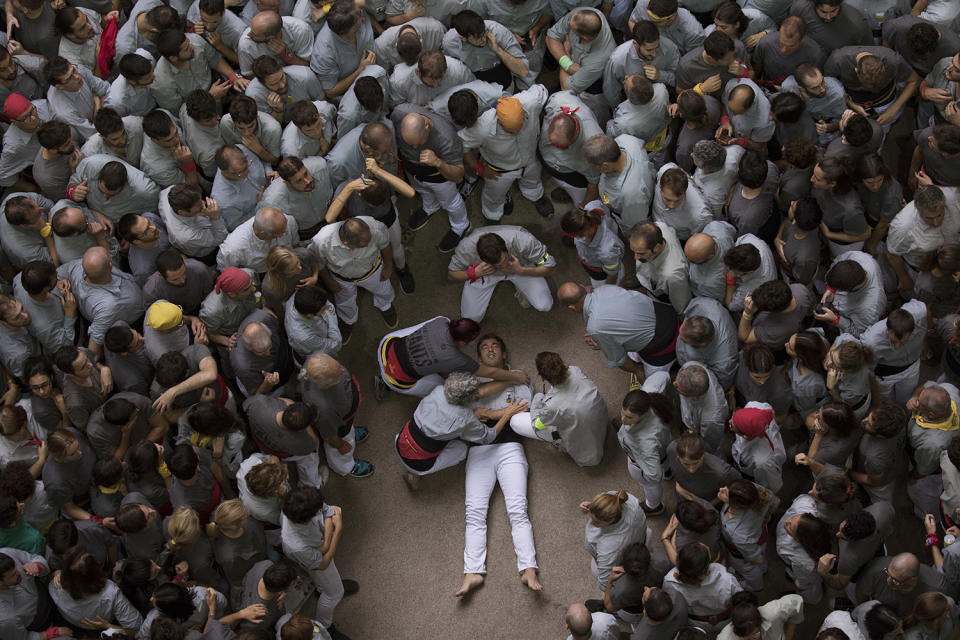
point(232, 78)
point(97, 519)
point(923, 91)
point(741, 141)
point(479, 169)
point(289, 57)
point(747, 316)
point(46, 230)
point(472, 273)
point(698, 89)
point(565, 62)
point(836, 320)
point(192, 29)
point(744, 70)
point(70, 191)
point(831, 289)
point(189, 167)
point(163, 470)
point(52, 632)
point(731, 280)
point(931, 540)
point(724, 119)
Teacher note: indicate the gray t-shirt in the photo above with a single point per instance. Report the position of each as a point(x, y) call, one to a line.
point(703, 483)
point(52, 176)
point(200, 494)
point(443, 141)
point(853, 555)
point(235, 555)
point(848, 28)
point(188, 296)
point(105, 437)
point(774, 329)
point(777, 66)
point(431, 349)
point(335, 405)
point(250, 595)
point(803, 254)
point(147, 543)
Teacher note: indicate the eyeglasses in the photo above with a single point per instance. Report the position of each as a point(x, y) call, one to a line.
point(42, 386)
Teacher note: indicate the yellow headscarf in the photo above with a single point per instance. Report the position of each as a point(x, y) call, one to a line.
point(952, 423)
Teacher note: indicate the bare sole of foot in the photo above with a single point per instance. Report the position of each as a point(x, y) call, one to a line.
point(471, 581)
point(529, 578)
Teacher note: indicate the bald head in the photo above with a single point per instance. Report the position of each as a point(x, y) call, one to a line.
point(415, 129)
point(741, 99)
point(578, 619)
point(68, 221)
point(571, 294)
point(904, 568)
point(269, 222)
point(563, 130)
point(266, 24)
point(257, 339)
point(96, 264)
point(699, 248)
point(322, 370)
point(935, 403)
point(586, 24)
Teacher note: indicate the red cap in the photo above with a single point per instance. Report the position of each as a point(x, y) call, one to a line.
point(752, 423)
point(232, 280)
point(15, 106)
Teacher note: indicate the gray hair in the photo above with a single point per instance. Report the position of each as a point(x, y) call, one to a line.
point(600, 149)
point(460, 387)
point(257, 337)
point(693, 380)
point(929, 198)
point(321, 370)
point(709, 155)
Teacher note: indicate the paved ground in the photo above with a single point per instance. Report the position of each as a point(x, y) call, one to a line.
point(406, 548)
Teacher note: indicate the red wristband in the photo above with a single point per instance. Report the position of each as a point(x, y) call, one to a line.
point(97, 519)
point(742, 142)
point(472, 273)
point(232, 78)
point(836, 319)
point(52, 632)
point(479, 169)
point(192, 29)
point(70, 191)
point(724, 119)
point(189, 167)
point(289, 57)
point(731, 281)
point(831, 289)
point(745, 71)
point(923, 91)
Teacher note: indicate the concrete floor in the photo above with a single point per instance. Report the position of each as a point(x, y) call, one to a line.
point(406, 548)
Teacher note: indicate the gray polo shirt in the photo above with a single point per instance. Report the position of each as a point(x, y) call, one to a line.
point(172, 85)
point(104, 304)
point(443, 141)
point(335, 405)
point(333, 58)
point(624, 61)
point(65, 480)
point(262, 413)
point(592, 56)
point(76, 108)
point(242, 248)
point(295, 33)
point(850, 27)
point(685, 31)
point(501, 148)
point(133, 126)
point(317, 334)
point(619, 320)
point(569, 159)
point(20, 147)
point(406, 85)
point(204, 141)
point(308, 209)
point(430, 30)
point(16, 345)
point(345, 262)
point(720, 354)
point(105, 437)
point(351, 114)
point(480, 59)
point(188, 296)
point(198, 495)
point(294, 142)
point(19, 244)
point(802, 254)
point(629, 192)
point(250, 595)
point(131, 372)
point(693, 69)
point(302, 84)
point(777, 66)
point(222, 314)
point(138, 195)
point(486, 93)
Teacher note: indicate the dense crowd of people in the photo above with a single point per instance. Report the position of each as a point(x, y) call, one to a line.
point(195, 191)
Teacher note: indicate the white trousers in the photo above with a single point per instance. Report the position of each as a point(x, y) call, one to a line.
point(329, 592)
point(577, 194)
point(650, 369)
point(487, 465)
point(396, 243)
point(443, 195)
point(652, 491)
point(346, 299)
point(476, 295)
point(899, 387)
point(339, 462)
point(495, 191)
point(425, 384)
point(308, 468)
point(453, 454)
point(522, 425)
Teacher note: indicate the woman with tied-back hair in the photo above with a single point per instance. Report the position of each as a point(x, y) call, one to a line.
point(805, 372)
point(849, 367)
point(743, 522)
point(707, 586)
point(597, 240)
point(288, 269)
point(614, 521)
point(187, 541)
point(88, 600)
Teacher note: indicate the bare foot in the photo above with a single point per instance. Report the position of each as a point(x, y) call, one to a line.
point(413, 482)
point(529, 578)
point(471, 581)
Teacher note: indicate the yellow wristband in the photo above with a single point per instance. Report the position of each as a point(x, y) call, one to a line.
point(46, 230)
point(163, 470)
point(697, 89)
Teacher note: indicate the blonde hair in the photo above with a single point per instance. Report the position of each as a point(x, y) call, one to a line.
point(280, 260)
point(605, 507)
point(183, 527)
point(229, 516)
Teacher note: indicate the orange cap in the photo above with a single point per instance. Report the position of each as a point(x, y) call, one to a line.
point(510, 113)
